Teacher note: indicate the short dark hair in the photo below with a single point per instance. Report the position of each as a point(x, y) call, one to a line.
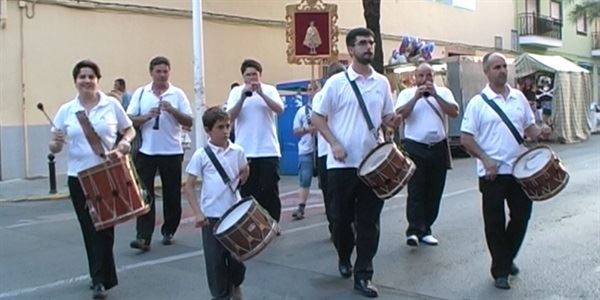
point(335, 68)
point(120, 81)
point(212, 115)
point(251, 63)
point(356, 32)
point(86, 63)
point(159, 60)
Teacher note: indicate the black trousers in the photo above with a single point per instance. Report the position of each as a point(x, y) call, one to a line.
point(322, 172)
point(354, 202)
point(504, 240)
point(263, 184)
point(98, 244)
point(426, 186)
point(222, 270)
point(169, 169)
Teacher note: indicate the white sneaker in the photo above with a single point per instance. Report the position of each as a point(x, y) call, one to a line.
point(412, 240)
point(429, 240)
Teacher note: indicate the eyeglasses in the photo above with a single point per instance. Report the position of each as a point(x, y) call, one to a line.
point(365, 42)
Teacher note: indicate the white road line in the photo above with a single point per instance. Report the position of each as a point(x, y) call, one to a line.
point(168, 259)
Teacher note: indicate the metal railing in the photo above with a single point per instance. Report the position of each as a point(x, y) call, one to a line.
point(596, 40)
point(534, 24)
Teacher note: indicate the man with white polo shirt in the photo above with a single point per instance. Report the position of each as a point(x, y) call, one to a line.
point(497, 143)
point(425, 108)
point(340, 120)
point(160, 109)
point(254, 106)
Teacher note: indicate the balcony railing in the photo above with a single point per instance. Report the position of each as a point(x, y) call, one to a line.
point(596, 40)
point(534, 24)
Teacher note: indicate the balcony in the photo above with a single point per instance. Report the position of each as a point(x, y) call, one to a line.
point(596, 43)
point(539, 31)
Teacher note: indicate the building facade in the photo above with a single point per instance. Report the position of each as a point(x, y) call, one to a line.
point(41, 40)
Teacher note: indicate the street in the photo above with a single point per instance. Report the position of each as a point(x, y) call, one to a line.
point(42, 254)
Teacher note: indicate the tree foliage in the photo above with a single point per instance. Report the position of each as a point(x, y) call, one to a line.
point(589, 8)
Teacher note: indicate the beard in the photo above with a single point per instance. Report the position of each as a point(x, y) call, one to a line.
point(365, 59)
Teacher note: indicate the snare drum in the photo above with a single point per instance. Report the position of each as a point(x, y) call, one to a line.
point(113, 193)
point(245, 229)
point(540, 173)
point(386, 170)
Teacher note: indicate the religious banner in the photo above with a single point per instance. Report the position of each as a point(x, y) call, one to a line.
point(311, 32)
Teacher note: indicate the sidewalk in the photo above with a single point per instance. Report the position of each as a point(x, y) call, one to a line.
point(38, 188)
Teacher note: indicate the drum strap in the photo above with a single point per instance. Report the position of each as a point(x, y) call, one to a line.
point(363, 107)
point(217, 164)
point(504, 118)
point(90, 134)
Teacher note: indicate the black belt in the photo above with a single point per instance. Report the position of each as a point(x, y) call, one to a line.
point(441, 143)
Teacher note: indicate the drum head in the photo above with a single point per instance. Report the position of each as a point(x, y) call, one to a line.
point(531, 162)
point(375, 158)
point(233, 216)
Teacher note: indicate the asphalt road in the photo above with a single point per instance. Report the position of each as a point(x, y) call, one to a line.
point(42, 255)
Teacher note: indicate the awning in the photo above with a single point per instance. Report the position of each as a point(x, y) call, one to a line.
point(528, 63)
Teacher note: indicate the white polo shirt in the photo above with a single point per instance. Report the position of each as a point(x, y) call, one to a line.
point(215, 197)
point(167, 139)
point(490, 132)
point(306, 145)
point(423, 124)
point(345, 119)
point(255, 127)
point(322, 145)
point(107, 118)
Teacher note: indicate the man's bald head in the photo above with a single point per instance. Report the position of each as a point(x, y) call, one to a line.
point(423, 74)
point(491, 57)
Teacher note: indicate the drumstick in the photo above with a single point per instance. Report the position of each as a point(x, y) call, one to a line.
point(40, 106)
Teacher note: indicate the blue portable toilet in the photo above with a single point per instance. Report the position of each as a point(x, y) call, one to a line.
point(293, 94)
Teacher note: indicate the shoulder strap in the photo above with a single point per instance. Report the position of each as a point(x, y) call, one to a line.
point(437, 112)
point(361, 103)
point(140, 101)
point(217, 164)
point(90, 134)
point(504, 118)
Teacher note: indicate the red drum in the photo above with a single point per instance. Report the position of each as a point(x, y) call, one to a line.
point(540, 173)
point(245, 229)
point(112, 192)
point(386, 170)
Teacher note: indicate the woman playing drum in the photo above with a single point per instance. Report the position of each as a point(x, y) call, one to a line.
point(107, 117)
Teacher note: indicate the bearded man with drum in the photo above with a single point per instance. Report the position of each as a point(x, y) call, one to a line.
point(424, 108)
point(487, 137)
point(339, 118)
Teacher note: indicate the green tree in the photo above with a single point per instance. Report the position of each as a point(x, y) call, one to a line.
point(589, 8)
point(372, 13)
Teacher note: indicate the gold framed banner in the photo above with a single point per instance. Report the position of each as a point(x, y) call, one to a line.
point(311, 32)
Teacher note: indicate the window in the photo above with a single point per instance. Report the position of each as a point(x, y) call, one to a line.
point(467, 4)
point(581, 25)
point(556, 10)
point(498, 42)
point(531, 6)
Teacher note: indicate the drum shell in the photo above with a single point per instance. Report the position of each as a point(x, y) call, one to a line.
point(391, 175)
point(250, 234)
point(112, 192)
point(548, 181)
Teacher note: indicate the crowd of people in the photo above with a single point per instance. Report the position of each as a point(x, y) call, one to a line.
point(337, 128)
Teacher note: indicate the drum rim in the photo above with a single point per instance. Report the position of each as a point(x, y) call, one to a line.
point(362, 163)
point(540, 171)
point(233, 207)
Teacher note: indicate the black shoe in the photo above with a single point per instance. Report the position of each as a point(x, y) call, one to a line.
point(366, 288)
point(502, 283)
point(345, 269)
point(99, 292)
point(141, 244)
point(167, 239)
point(514, 270)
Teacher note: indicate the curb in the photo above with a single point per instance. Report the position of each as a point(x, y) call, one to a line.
point(57, 196)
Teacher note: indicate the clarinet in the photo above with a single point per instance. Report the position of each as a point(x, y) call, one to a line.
point(156, 125)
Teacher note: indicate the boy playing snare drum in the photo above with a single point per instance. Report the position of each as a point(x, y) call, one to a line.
point(225, 274)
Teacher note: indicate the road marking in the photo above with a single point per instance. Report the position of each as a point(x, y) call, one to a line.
point(168, 259)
